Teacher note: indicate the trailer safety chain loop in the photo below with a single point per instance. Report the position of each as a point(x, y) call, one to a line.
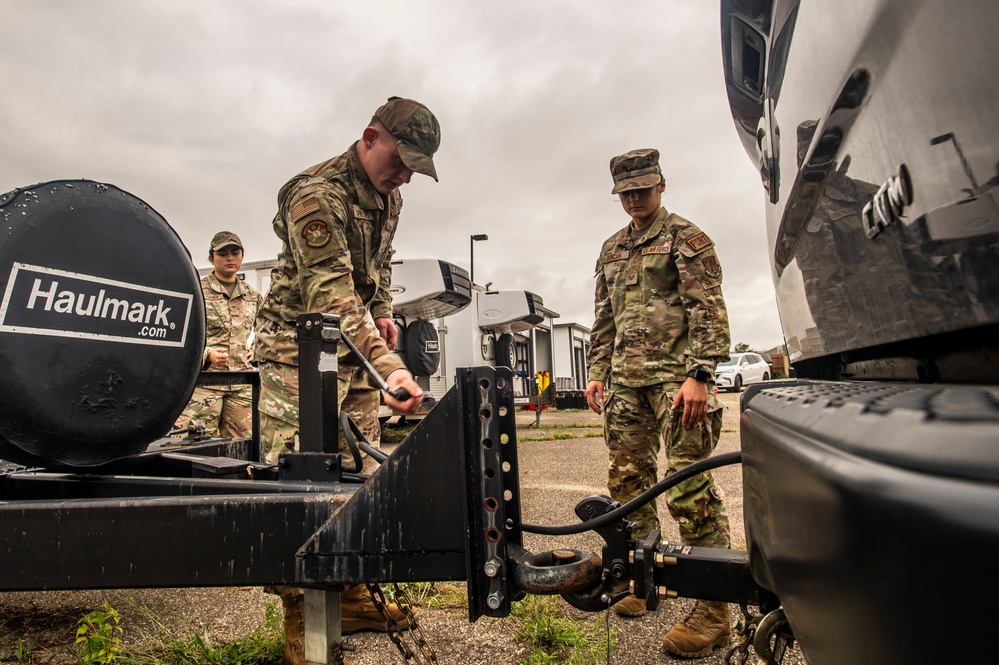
point(745, 628)
point(415, 629)
point(759, 630)
point(770, 643)
point(397, 634)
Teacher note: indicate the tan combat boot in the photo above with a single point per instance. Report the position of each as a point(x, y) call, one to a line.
point(294, 628)
point(696, 635)
point(630, 606)
point(358, 612)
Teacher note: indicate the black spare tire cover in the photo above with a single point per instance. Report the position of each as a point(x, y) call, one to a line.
point(423, 354)
point(102, 325)
point(506, 351)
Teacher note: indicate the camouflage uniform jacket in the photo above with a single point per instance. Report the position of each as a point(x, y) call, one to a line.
point(336, 232)
point(228, 322)
point(659, 311)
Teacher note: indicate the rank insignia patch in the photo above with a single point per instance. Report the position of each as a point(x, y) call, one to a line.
point(317, 234)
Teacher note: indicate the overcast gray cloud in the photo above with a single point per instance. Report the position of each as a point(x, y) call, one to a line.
point(205, 108)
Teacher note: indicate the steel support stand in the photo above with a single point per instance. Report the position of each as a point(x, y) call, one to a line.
point(323, 636)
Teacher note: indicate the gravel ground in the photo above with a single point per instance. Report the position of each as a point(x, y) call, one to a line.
point(555, 475)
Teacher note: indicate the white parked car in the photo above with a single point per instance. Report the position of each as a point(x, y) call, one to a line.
point(740, 370)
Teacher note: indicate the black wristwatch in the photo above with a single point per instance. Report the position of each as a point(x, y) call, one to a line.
point(699, 375)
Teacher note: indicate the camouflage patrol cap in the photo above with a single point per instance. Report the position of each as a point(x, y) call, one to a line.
point(637, 169)
point(416, 130)
point(224, 239)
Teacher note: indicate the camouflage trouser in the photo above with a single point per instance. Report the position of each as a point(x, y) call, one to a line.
point(223, 412)
point(279, 407)
point(636, 421)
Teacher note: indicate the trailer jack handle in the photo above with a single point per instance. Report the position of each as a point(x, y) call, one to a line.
point(400, 394)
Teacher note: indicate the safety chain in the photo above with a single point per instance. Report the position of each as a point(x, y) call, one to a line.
point(771, 646)
point(397, 633)
point(745, 628)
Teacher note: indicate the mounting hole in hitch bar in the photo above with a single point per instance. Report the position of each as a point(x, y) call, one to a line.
point(485, 414)
point(484, 384)
point(492, 505)
point(492, 534)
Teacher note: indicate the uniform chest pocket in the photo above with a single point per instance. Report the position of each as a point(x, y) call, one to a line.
point(217, 317)
point(614, 265)
point(658, 271)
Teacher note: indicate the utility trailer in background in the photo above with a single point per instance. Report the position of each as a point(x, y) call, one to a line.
point(450, 323)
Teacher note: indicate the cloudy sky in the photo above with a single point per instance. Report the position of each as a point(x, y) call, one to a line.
point(204, 108)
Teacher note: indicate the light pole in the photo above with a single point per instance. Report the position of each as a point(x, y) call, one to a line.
point(471, 251)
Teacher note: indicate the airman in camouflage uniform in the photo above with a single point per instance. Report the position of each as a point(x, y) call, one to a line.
point(336, 221)
point(660, 328)
point(230, 308)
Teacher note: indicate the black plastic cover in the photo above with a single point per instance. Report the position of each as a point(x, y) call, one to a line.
point(423, 354)
point(506, 351)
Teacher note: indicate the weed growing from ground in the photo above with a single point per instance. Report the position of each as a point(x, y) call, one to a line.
point(98, 636)
point(552, 637)
point(22, 652)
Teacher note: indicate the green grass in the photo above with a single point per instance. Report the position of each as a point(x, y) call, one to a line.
point(431, 594)
point(24, 650)
point(570, 425)
point(542, 435)
point(552, 637)
point(395, 433)
point(542, 626)
point(264, 646)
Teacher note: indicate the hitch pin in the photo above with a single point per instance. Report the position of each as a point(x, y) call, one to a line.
point(400, 394)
